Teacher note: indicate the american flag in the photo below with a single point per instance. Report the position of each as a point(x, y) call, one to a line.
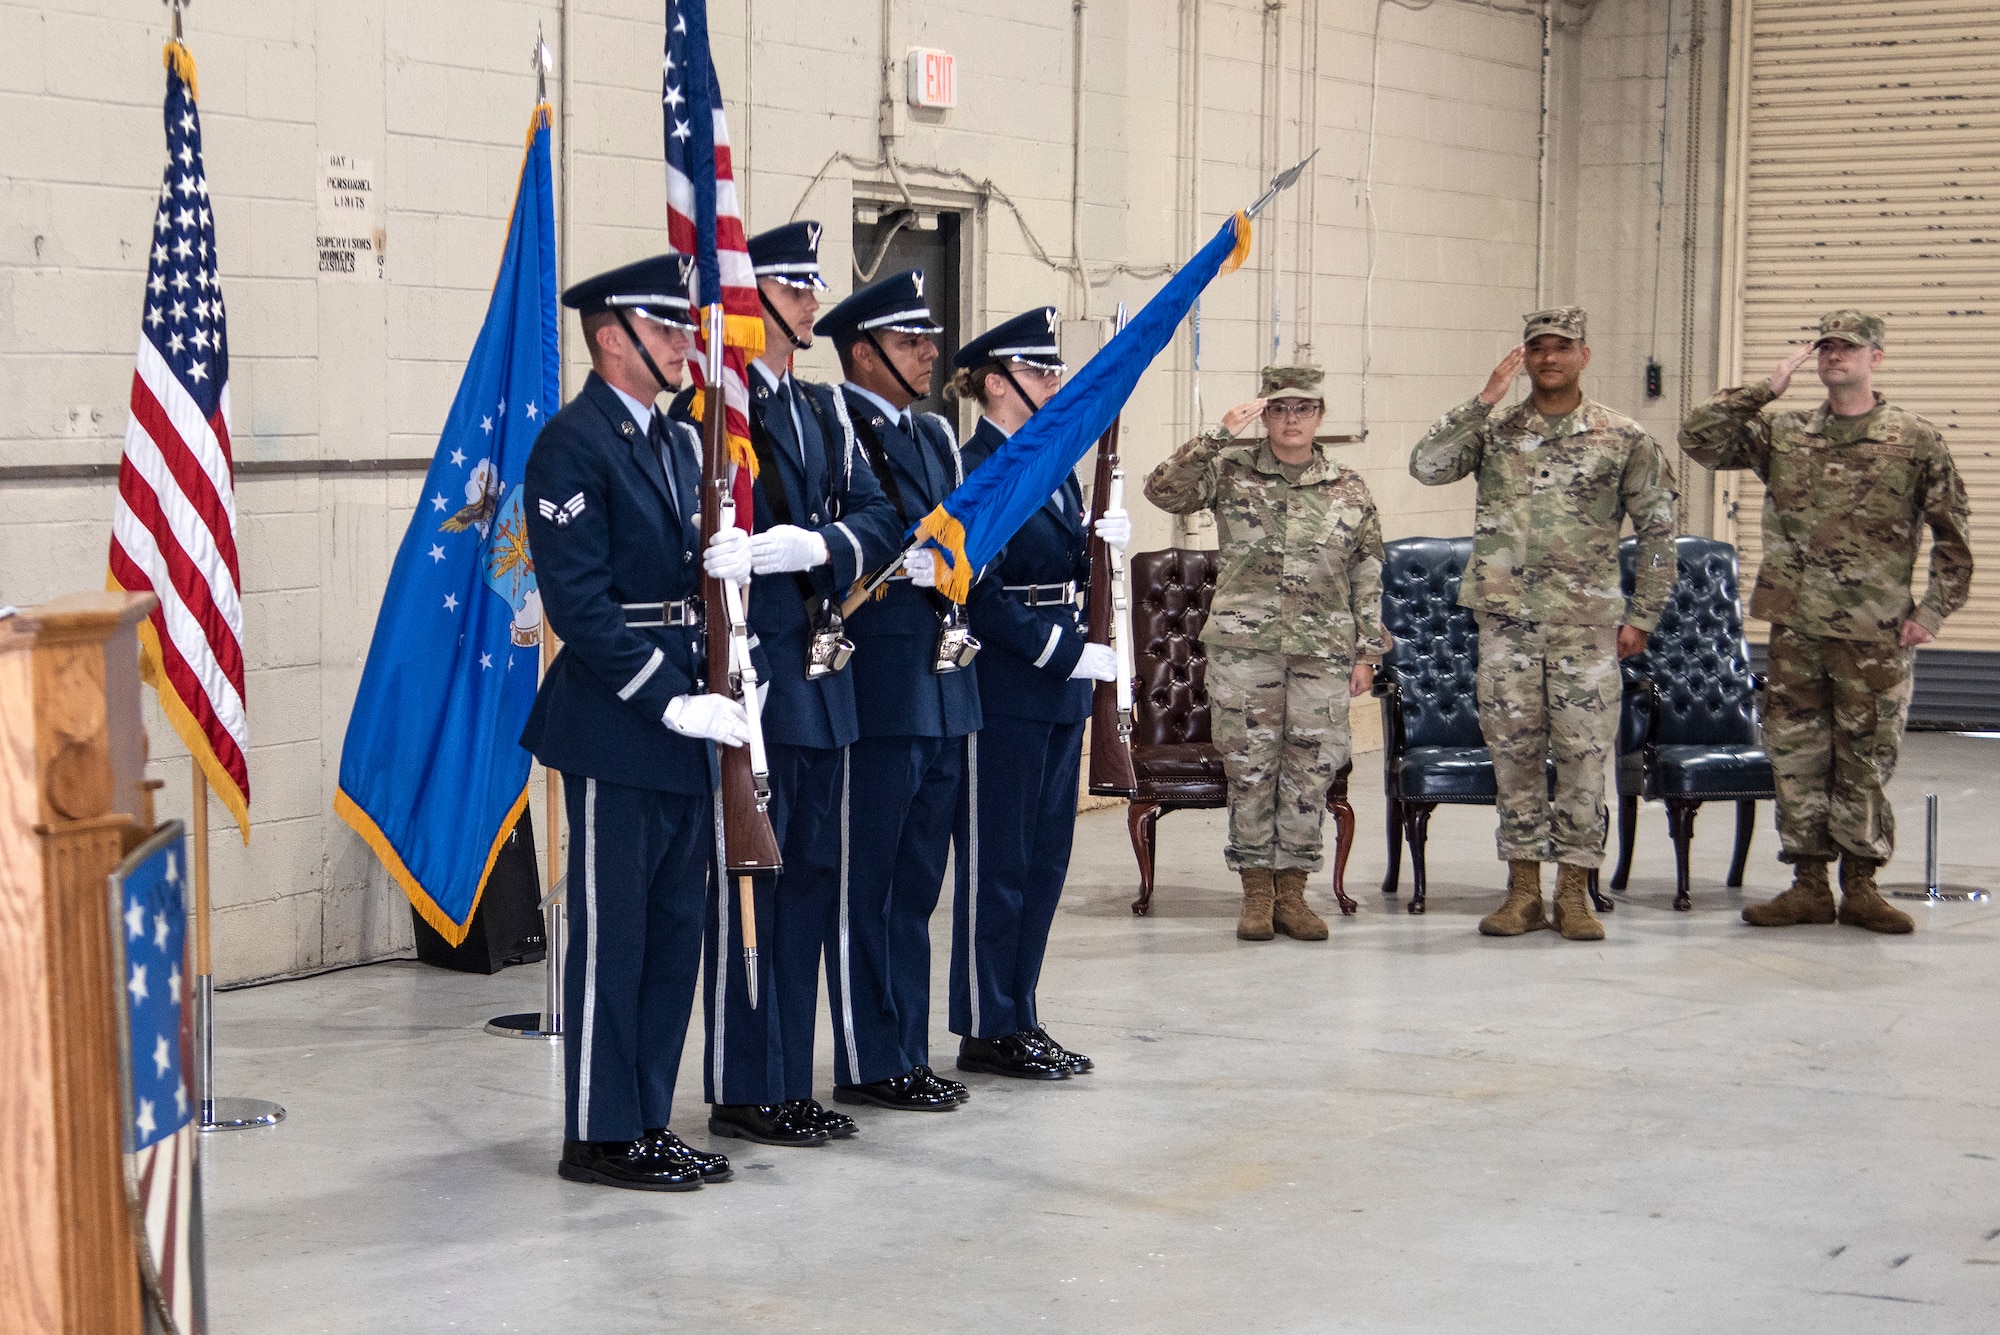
point(173, 533)
point(705, 220)
point(150, 934)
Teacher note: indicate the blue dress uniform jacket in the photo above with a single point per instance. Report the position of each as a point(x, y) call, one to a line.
point(607, 529)
point(1017, 820)
point(894, 634)
point(604, 532)
point(1029, 651)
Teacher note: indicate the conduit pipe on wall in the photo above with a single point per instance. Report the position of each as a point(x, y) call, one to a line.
point(1078, 11)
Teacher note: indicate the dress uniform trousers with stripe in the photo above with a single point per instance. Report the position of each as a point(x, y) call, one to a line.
point(765, 1055)
point(900, 790)
point(1018, 819)
point(611, 518)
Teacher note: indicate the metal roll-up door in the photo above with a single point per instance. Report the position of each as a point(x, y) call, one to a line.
point(1866, 146)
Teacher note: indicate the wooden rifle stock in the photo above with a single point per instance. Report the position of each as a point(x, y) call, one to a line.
point(749, 844)
point(1111, 773)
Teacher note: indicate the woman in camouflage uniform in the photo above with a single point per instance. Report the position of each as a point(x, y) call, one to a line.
point(1294, 630)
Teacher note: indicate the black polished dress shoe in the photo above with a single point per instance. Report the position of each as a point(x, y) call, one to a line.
point(1056, 1052)
point(765, 1123)
point(1010, 1055)
point(636, 1165)
point(904, 1093)
point(936, 1081)
point(712, 1167)
point(810, 1112)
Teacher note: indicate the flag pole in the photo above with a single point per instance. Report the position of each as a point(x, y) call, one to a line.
point(548, 1021)
point(216, 1114)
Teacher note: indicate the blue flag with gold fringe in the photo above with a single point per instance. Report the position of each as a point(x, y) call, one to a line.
point(432, 773)
point(972, 524)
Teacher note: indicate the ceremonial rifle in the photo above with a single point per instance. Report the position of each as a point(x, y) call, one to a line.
point(744, 841)
point(1111, 772)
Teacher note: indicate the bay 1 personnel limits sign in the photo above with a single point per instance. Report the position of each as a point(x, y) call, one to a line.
point(349, 237)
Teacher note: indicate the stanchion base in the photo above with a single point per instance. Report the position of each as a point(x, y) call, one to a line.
point(237, 1114)
point(525, 1025)
point(1944, 894)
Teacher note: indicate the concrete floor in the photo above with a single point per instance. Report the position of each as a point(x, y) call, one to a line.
point(1691, 1126)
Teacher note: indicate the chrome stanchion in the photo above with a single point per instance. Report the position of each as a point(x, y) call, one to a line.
point(1931, 890)
point(547, 1022)
point(223, 1114)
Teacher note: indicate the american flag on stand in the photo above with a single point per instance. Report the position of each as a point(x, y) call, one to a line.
point(150, 942)
point(173, 533)
point(705, 220)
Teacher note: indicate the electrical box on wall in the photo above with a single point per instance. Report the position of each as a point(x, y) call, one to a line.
point(933, 77)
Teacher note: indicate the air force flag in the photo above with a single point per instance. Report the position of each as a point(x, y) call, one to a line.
point(432, 774)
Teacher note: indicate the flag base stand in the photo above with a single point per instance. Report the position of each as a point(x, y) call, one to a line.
point(547, 1022)
point(240, 1114)
point(223, 1114)
point(1930, 891)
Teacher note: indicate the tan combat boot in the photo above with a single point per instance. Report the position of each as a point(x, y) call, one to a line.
point(1291, 914)
point(1255, 924)
point(1810, 900)
point(1573, 916)
point(1862, 905)
point(1523, 910)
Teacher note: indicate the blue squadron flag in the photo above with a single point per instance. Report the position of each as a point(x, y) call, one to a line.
point(973, 523)
point(149, 946)
point(432, 773)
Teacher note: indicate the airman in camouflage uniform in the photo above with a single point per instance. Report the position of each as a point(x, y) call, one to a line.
point(1294, 629)
point(1849, 488)
point(1557, 475)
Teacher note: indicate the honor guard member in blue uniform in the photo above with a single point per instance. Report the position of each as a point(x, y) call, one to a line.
point(822, 523)
point(1035, 677)
point(625, 717)
point(918, 700)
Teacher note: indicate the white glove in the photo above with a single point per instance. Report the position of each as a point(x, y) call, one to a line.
point(728, 555)
point(1098, 663)
point(713, 718)
point(1115, 528)
point(786, 548)
point(921, 567)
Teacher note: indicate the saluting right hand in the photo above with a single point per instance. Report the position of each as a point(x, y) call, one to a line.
point(1503, 375)
point(1781, 378)
point(1241, 416)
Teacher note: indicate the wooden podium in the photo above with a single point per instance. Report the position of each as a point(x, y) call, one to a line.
point(72, 801)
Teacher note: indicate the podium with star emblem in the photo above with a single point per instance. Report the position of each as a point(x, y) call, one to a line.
point(74, 803)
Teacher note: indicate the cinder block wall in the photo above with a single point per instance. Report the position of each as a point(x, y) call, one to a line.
point(1426, 121)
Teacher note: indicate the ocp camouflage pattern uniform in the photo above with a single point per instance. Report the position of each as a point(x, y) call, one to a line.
point(1845, 504)
point(1297, 603)
point(1543, 588)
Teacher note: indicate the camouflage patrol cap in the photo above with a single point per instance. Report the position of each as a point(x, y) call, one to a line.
point(1291, 382)
point(1850, 326)
point(1568, 321)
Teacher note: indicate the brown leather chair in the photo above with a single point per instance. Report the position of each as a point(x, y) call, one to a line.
point(1177, 766)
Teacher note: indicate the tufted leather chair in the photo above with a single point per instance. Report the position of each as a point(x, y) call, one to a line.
point(1173, 758)
point(1433, 751)
point(1688, 731)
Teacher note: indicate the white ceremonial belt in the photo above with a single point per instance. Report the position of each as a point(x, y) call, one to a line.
point(1044, 595)
point(686, 612)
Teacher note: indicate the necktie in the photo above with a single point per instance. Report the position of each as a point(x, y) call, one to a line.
point(678, 485)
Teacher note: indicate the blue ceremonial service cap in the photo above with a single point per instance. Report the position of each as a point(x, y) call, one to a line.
point(1028, 338)
point(897, 303)
point(789, 254)
point(656, 288)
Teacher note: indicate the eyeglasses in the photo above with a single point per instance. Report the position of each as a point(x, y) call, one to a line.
point(1293, 408)
point(1030, 371)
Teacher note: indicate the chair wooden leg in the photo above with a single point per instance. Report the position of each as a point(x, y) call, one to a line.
point(1746, 827)
point(1628, 829)
point(1395, 808)
point(1343, 835)
point(1418, 825)
point(1597, 897)
point(1142, 820)
point(1680, 824)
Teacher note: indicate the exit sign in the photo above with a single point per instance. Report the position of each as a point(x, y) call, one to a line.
point(933, 78)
